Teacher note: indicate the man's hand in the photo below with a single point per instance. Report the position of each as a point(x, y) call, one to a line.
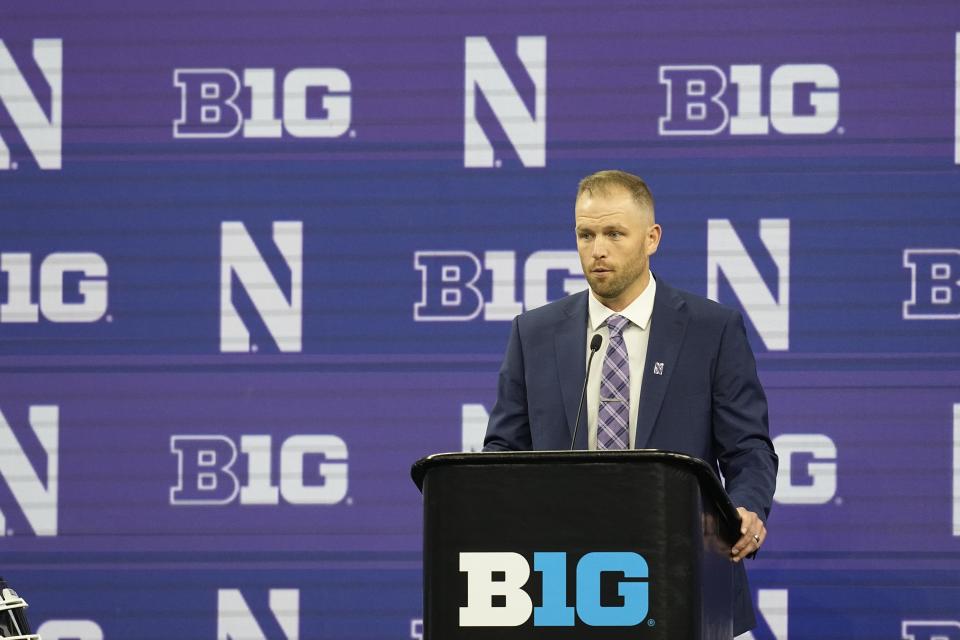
point(752, 534)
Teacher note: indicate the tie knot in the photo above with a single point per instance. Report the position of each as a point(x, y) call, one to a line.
point(616, 324)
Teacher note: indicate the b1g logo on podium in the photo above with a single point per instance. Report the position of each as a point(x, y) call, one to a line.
point(800, 99)
point(496, 598)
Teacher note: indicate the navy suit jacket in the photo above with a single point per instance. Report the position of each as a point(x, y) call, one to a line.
point(707, 402)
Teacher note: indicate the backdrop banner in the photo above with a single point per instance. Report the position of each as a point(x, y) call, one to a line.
point(257, 259)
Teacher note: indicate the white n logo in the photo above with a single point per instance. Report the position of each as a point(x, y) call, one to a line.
point(239, 257)
point(527, 133)
point(772, 605)
point(235, 621)
point(725, 252)
point(37, 499)
point(473, 426)
point(42, 135)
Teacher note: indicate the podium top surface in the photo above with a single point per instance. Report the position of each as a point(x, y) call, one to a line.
point(707, 479)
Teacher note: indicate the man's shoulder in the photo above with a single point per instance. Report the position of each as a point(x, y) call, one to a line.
point(697, 306)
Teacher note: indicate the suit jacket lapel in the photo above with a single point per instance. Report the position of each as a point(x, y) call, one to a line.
point(667, 327)
point(570, 343)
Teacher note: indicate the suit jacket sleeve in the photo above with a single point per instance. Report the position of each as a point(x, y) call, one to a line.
point(740, 430)
point(509, 426)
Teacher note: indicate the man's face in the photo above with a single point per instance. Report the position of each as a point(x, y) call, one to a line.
point(615, 238)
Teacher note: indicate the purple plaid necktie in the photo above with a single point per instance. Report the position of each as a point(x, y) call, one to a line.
point(613, 418)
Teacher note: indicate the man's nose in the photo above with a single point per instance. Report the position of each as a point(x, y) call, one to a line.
point(599, 248)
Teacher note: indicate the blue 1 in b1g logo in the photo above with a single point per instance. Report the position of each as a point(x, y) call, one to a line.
point(495, 595)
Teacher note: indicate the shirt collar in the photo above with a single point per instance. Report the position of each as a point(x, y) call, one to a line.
point(638, 312)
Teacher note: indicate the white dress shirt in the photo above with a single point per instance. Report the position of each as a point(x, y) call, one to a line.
point(636, 335)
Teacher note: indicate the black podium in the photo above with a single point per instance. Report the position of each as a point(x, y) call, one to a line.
point(575, 545)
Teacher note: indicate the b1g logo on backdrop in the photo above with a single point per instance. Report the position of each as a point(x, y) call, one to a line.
point(807, 473)
point(451, 291)
point(795, 99)
point(34, 495)
point(459, 286)
point(934, 284)
point(312, 470)
point(930, 630)
point(496, 598)
point(40, 128)
point(314, 103)
point(63, 288)
point(485, 75)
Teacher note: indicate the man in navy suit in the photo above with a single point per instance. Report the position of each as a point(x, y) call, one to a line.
point(676, 372)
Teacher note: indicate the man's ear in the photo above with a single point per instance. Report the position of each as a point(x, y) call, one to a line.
point(653, 239)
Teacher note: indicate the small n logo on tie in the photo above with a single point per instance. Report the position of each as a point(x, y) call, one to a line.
point(658, 368)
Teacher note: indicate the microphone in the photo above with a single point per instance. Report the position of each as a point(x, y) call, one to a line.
point(595, 343)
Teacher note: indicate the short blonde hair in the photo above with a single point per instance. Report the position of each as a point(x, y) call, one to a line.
point(602, 181)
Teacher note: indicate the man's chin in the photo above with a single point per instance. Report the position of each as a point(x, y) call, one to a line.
point(603, 290)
